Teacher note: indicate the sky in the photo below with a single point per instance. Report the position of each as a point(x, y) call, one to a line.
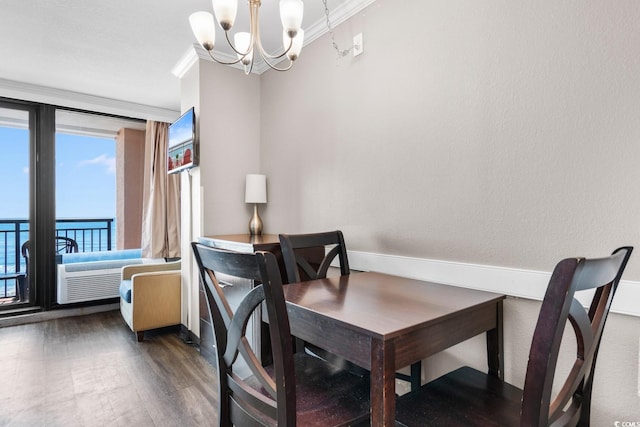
point(85, 175)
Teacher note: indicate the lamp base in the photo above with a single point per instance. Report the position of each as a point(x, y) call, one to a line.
point(255, 225)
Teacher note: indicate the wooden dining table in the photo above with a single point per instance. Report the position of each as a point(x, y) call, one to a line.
point(383, 323)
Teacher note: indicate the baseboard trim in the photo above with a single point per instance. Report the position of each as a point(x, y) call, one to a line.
point(42, 316)
point(188, 336)
point(510, 281)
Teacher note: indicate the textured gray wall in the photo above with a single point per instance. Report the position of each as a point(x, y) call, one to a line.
point(229, 146)
point(499, 133)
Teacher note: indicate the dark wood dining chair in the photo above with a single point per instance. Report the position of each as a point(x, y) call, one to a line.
point(296, 389)
point(297, 262)
point(301, 266)
point(63, 245)
point(467, 397)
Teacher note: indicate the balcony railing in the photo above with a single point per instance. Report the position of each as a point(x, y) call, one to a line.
point(92, 235)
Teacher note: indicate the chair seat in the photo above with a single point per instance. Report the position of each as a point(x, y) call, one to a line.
point(464, 397)
point(325, 395)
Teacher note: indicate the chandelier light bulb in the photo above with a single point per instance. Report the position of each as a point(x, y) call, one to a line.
point(291, 12)
point(226, 11)
point(296, 46)
point(203, 29)
point(242, 41)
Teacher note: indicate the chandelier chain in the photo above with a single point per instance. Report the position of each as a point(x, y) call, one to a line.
point(341, 53)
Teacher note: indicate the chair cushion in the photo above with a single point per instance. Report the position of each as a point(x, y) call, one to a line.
point(125, 290)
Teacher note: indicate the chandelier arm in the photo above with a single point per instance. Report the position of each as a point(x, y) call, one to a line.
point(273, 67)
point(255, 26)
point(223, 62)
point(264, 53)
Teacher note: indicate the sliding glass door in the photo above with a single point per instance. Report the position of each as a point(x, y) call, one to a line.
point(58, 171)
point(16, 136)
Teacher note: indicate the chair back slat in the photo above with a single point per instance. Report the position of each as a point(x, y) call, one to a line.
point(230, 339)
point(305, 266)
point(224, 316)
point(272, 400)
point(258, 403)
point(559, 307)
point(328, 259)
point(238, 325)
point(243, 415)
point(214, 287)
point(296, 259)
point(66, 245)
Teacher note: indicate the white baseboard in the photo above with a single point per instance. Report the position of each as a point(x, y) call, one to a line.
point(42, 316)
point(509, 281)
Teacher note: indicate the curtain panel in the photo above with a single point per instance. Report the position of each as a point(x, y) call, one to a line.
point(161, 193)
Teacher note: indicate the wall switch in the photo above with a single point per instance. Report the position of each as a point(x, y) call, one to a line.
point(358, 47)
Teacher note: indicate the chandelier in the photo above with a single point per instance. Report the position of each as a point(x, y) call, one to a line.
point(246, 44)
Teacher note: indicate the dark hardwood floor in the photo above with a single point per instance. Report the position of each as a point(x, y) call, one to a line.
point(90, 371)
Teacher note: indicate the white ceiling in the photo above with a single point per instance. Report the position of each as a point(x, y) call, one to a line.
point(118, 49)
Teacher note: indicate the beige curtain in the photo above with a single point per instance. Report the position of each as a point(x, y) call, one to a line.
point(161, 203)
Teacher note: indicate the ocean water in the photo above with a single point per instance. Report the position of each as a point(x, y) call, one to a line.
point(91, 237)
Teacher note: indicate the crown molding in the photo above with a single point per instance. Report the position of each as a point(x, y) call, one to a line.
point(64, 98)
point(337, 16)
point(188, 59)
point(197, 52)
point(319, 28)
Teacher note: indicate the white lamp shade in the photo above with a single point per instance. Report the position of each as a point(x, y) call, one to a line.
point(242, 40)
point(291, 12)
point(296, 46)
point(226, 11)
point(203, 28)
point(256, 189)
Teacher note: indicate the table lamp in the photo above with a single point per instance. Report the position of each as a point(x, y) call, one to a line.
point(255, 192)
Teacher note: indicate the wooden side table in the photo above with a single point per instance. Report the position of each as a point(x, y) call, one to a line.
point(242, 242)
point(247, 243)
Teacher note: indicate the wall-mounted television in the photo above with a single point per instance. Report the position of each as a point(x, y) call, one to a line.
point(183, 151)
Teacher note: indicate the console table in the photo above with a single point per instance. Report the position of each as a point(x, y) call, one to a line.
point(246, 243)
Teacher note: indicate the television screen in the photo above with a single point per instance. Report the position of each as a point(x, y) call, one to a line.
point(182, 154)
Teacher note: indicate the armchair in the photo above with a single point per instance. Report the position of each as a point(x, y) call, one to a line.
point(150, 296)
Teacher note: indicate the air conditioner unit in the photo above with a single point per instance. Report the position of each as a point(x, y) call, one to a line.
point(89, 281)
